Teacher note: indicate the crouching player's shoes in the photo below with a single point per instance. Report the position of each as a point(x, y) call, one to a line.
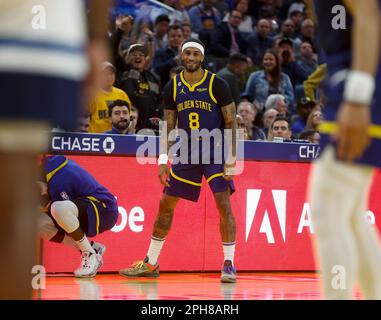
point(141, 269)
point(228, 272)
point(98, 247)
point(90, 264)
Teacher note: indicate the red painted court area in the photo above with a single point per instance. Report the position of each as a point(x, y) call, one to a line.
point(184, 286)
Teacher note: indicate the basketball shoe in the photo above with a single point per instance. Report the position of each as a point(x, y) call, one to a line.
point(141, 269)
point(98, 247)
point(228, 272)
point(90, 264)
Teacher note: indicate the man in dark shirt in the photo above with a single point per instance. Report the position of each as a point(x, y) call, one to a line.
point(143, 87)
point(165, 59)
point(119, 113)
point(228, 39)
point(234, 70)
point(196, 100)
point(308, 34)
point(260, 41)
point(289, 65)
point(307, 60)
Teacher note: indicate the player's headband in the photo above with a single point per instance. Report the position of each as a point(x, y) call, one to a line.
point(192, 44)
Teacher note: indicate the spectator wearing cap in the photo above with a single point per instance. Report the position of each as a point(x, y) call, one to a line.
point(303, 109)
point(296, 14)
point(119, 115)
point(233, 72)
point(142, 85)
point(98, 109)
point(248, 113)
point(165, 59)
point(268, 81)
point(203, 11)
point(280, 129)
point(227, 38)
point(288, 62)
point(260, 41)
point(307, 60)
point(297, 5)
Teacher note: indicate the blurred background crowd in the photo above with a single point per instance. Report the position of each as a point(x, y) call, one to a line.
point(266, 50)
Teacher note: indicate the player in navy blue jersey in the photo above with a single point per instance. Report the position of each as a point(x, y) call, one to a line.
point(78, 207)
point(49, 52)
point(202, 104)
point(347, 247)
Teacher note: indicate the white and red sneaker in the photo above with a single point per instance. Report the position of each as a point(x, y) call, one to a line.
point(90, 264)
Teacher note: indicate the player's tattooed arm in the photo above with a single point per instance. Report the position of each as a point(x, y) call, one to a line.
point(170, 116)
point(229, 115)
point(166, 141)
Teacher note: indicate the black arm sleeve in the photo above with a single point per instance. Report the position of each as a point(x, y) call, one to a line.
point(222, 92)
point(169, 103)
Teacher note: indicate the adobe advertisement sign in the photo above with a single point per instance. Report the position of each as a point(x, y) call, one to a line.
point(272, 217)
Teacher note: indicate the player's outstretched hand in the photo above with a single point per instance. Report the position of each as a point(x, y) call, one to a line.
point(352, 136)
point(163, 174)
point(229, 171)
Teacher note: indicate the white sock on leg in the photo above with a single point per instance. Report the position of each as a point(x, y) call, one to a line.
point(154, 250)
point(229, 250)
point(84, 245)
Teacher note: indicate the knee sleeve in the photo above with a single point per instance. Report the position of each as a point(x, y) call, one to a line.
point(65, 213)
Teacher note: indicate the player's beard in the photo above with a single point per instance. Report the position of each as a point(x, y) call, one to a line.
point(196, 66)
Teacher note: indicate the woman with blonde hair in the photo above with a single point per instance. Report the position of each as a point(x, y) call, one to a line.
point(314, 119)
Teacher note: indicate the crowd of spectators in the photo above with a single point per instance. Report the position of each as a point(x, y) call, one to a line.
point(266, 50)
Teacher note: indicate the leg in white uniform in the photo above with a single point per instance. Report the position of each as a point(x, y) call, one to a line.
point(345, 241)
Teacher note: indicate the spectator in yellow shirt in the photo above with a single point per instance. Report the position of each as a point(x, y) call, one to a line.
point(99, 118)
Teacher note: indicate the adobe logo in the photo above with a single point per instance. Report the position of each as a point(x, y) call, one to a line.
point(253, 196)
point(257, 202)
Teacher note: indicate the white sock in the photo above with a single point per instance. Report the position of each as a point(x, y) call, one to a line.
point(84, 245)
point(154, 250)
point(229, 249)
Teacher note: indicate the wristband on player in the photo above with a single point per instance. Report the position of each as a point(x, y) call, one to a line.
point(163, 159)
point(359, 87)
